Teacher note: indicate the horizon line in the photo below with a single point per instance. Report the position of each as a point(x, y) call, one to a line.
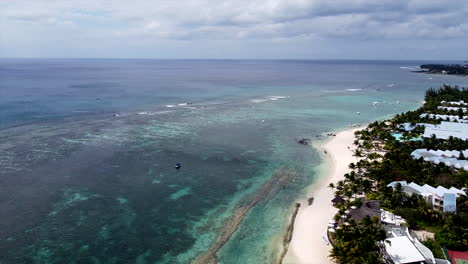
point(220, 59)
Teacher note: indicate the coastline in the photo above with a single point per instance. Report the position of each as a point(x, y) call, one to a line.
point(307, 245)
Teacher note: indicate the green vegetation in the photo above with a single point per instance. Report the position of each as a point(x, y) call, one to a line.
point(455, 69)
point(356, 243)
point(434, 246)
point(385, 159)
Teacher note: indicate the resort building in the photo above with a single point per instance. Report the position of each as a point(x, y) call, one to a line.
point(451, 118)
point(409, 127)
point(461, 102)
point(439, 198)
point(401, 248)
point(451, 108)
point(445, 130)
point(449, 158)
point(368, 208)
point(372, 208)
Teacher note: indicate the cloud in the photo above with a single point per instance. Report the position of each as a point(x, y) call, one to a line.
point(236, 20)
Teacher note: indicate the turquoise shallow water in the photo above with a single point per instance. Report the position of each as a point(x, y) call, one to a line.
point(87, 151)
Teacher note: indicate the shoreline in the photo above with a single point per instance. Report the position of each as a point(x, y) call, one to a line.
point(307, 245)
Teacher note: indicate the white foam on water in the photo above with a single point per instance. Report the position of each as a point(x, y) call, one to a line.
point(258, 100)
point(411, 68)
point(170, 105)
point(354, 90)
point(154, 113)
point(269, 98)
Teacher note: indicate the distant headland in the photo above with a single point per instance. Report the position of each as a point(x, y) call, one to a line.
point(451, 69)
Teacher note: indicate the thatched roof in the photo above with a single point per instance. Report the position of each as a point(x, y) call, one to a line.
point(338, 200)
point(369, 208)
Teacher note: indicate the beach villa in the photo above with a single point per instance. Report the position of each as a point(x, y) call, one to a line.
point(461, 102)
point(439, 198)
point(445, 130)
point(451, 118)
point(449, 158)
point(451, 108)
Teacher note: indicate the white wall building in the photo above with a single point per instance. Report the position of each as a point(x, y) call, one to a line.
point(439, 198)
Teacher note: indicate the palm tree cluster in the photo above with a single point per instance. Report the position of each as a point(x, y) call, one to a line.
point(383, 159)
point(357, 242)
point(456, 69)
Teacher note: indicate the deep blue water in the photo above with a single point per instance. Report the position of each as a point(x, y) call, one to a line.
point(87, 148)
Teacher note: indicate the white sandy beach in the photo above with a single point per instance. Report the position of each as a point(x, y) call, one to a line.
point(308, 245)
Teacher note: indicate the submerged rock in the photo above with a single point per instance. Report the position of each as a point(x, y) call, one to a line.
point(303, 141)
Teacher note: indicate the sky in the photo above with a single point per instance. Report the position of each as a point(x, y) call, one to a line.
point(262, 29)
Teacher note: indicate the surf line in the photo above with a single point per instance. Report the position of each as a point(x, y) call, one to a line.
point(280, 178)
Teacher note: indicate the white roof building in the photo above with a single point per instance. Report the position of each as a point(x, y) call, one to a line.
point(390, 218)
point(446, 157)
point(393, 184)
point(446, 130)
point(451, 108)
point(451, 118)
point(409, 127)
point(439, 198)
point(402, 248)
point(461, 102)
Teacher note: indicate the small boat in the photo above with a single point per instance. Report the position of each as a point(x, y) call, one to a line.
point(178, 165)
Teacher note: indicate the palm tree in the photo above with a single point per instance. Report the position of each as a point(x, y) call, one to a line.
point(357, 153)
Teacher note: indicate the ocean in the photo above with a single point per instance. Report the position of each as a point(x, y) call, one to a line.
point(88, 147)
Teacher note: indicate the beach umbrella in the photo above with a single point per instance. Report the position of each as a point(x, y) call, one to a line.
point(353, 207)
point(331, 230)
point(343, 216)
point(346, 223)
point(331, 225)
point(332, 221)
point(338, 227)
point(347, 212)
